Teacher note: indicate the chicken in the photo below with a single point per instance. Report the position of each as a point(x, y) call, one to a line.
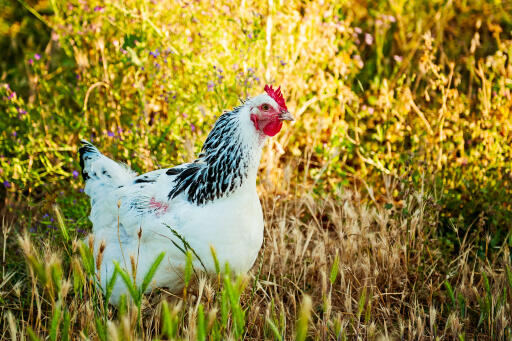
point(211, 201)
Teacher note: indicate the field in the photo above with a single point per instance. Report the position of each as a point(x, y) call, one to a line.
point(387, 203)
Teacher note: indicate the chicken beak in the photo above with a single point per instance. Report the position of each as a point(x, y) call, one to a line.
point(286, 116)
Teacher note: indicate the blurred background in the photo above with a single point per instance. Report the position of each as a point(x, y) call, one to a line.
point(416, 90)
point(392, 100)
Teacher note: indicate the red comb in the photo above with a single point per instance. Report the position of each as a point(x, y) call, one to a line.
point(276, 95)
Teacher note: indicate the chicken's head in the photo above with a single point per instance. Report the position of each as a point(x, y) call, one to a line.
point(268, 111)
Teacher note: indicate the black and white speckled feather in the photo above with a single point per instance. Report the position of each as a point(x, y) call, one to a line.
point(100, 171)
point(222, 166)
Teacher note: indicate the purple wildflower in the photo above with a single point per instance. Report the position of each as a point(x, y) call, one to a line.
point(110, 134)
point(45, 215)
point(358, 30)
point(98, 9)
point(283, 63)
point(31, 61)
point(210, 86)
point(368, 39)
point(12, 95)
point(37, 56)
point(14, 133)
point(22, 111)
point(249, 35)
point(75, 174)
point(7, 184)
point(155, 54)
point(192, 127)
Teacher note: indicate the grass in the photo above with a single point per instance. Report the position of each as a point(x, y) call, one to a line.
point(387, 203)
point(349, 270)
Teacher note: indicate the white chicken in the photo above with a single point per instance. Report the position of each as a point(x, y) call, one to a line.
point(211, 201)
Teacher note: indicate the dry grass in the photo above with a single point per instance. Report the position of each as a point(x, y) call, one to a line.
point(380, 87)
point(357, 270)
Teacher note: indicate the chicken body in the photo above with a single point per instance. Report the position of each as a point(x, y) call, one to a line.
point(209, 202)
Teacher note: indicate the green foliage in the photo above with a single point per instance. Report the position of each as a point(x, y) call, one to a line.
point(304, 316)
point(334, 269)
point(382, 92)
point(169, 322)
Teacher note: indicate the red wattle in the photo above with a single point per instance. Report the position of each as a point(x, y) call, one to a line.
point(273, 127)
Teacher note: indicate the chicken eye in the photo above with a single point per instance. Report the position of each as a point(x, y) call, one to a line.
point(265, 107)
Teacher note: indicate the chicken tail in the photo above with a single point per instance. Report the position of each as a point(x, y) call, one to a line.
point(100, 171)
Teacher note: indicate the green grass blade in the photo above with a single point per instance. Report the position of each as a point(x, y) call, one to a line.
point(35, 13)
point(32, 335)
point(134, 293)
point(38, 268)
point(334, 269)
point(65, 326)
point(304, 315)
point(54, 325)
point(87, 258)
point(60, 222)
point(123, 305)
point(361, 303)
point(449, 289)
point(274, 330)
point(169, 324)
point(462, 305)
point(188, 268)
point(215, 260)
point(101, 329)
point(151, 273)
point(487, 286)
point(201, 325)
point(224, 307)
point(110, 285)
point(56, 274)
point(186, 246)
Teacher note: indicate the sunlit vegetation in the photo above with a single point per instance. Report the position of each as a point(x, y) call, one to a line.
point(388, 202)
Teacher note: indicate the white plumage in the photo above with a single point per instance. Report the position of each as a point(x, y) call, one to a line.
point(211, 201)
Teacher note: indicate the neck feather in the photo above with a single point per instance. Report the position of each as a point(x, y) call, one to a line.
point(229, 159)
